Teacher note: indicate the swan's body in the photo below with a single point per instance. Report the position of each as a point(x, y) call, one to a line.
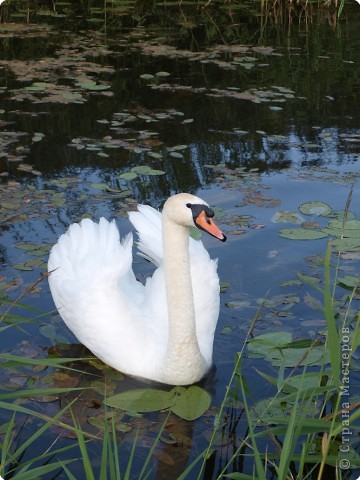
point(163, 330)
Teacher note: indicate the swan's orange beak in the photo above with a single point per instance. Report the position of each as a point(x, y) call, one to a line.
point(206, 223)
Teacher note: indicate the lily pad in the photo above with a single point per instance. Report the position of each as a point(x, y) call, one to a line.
point(347, 244)
point(278, 348)
point(146, 170)
point(348, 229)
point(315, 208)
point(128, 175)
point(191, 403)
point(302, 234)
point(147, 76)
point(90, 85)
point(349, 282)
point(142, 400)
point(162, 74)
point(188, 403)
point(287, 217)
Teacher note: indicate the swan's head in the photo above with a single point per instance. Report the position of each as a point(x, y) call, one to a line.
point(188, 211)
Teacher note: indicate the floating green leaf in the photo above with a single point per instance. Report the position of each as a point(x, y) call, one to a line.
point(238, 304)
point(146, 170)
point(156, 172)
point(142, 400)
point(349, 282)
point(347, 244)
point(162, 74)
point(261, 345)
point(287, 217)
point(176, 155)
point(155, 155)
point(278, 348)
point(22, 266)
point(99, 186)
point(147, 76)
point(301, 234)
point(128, 175)
point(315, 208)
point(191, 403)
point(348, 229)
point(188, 403)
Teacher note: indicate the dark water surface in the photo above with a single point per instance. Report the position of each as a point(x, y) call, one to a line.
point(260, 125)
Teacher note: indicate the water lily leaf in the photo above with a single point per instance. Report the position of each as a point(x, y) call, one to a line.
point(349, 282)
point(128, 175)
point(224, 286)
point(147, 76)
point(99, 186)
point(176, 155)
point(141, 169)
point(138, 150)
point(178, 147)
point(292, 357)
point(342, 215)
point(22, 266)
point(39, 87)
point(315, 208)
point(238, 304)
point(288, 217)
point(144, 117)
point(191, 403)
point(155, 155)
point(75, 97)
point(188, 120)
point(262, 344)
point(145, 170)
point(162, 74)
point(48, 331)
point(26, 246)
point(301, 234)
point(267, 408)
point(142, 400)
point(156, 172)
point(278, 348)
point(347, 244)
point(348, 229)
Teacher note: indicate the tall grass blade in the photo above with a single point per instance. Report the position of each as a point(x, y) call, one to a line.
point(333, 338)
point(38, 472)
point(258, 461)
point(89, 474)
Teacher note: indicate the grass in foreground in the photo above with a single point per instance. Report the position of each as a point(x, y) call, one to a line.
point(298, 432)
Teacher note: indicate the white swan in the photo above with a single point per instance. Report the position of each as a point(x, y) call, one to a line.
point(163, 330)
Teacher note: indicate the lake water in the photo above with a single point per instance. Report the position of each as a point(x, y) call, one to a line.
point(258, 127)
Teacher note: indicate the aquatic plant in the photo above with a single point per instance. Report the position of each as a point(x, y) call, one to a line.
point(303, 423)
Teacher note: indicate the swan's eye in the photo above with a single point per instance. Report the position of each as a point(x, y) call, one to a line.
point(189, 205)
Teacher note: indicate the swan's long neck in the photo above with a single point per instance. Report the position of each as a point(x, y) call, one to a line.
point(183, 351)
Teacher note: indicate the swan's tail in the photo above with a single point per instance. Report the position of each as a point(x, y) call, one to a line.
point(147, 222)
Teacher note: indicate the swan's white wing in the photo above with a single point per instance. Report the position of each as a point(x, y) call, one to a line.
point(147, 222)
point(98, 297)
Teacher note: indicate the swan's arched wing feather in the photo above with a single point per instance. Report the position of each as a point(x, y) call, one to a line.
point(88, 263)
point(147, 222)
